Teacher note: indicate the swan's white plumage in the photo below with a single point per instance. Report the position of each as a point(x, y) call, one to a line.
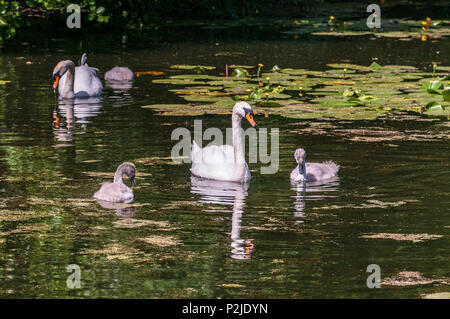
point(86, 83)
point(216, 162)
point(219, 162)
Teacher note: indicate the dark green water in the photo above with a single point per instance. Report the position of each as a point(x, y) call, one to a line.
point(272, 240)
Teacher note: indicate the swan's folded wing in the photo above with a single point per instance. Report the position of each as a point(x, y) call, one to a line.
point(116, 193)
point(87, 82)
point(321, 171)
point(214, 162)
point(213, 155)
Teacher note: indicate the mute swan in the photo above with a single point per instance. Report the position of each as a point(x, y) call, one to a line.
point(225, 162)
point(118, 192)
point(311, 172)
point(76, 82)
point(119, 73)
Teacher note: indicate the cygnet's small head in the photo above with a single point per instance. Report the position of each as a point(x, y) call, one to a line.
point(59, 71)
point(300, 155)
point(128, 169)
point(244, 109)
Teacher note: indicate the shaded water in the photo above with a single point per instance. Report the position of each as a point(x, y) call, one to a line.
point(186, 237)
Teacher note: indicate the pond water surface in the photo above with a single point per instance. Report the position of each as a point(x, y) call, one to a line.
point(190, 238)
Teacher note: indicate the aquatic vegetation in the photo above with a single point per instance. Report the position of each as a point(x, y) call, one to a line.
point(116, 251)
point(230, 285)
point(23, 215)
point(37, 229)
point(154, 73)
point(401, 29)
point(137, 223)
point(161, 241)
point(415, 238)
point(437, 295)
point(371, 203)
point(345, 91)
point(197, 68)
point(156, 160)
point(411, 278)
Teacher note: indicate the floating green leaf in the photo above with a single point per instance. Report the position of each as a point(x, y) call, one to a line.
point(433, 106)
point(446, 95)
point(196, 68)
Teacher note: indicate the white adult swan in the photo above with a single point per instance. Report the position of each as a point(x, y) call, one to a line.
point(118, 192)
point(225, 162)
point(311, 172)
point(76, 82)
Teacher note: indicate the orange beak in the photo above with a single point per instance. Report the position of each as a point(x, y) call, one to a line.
point(55, 83)
point(249, 117)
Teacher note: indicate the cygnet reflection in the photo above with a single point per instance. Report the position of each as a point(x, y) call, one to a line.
point(122, 210)
point(309, 191)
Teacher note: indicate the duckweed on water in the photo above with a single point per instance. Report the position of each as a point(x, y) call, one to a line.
point(161, 241)
point(137, 223)
point(415, 238)
point(411, 278)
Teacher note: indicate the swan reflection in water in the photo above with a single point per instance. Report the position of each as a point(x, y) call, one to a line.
point(307, 191)
point(74, 111)
point(230, 194)
point(122, 210)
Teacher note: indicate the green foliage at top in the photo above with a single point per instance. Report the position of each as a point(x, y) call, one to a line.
point(45, 14)
point(15, 15)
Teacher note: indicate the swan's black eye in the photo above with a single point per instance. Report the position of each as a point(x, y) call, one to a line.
point(55, 75)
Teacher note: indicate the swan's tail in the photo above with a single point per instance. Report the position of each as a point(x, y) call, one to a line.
point(195, 148)
point(83, 59)
point(333, 168)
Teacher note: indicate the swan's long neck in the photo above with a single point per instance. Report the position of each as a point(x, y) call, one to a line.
point(239, 157)
point(118, 176)
point(302, 168)
point(70, 78)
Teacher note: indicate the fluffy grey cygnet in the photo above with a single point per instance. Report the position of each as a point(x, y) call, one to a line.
point(310, 172)
point(119, 73)
point(118, 192)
